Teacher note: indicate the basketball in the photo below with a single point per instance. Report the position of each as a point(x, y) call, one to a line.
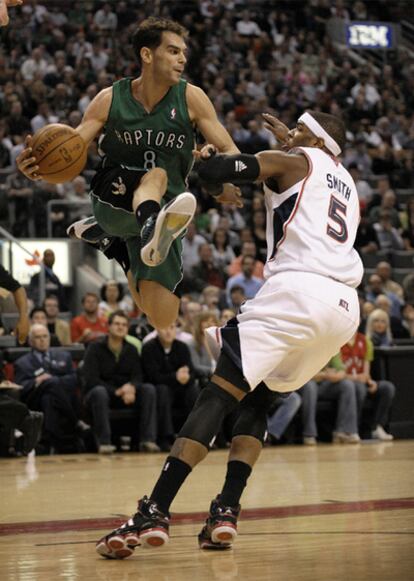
point(60, 153)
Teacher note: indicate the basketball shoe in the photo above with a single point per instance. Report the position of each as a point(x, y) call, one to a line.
point(220, 530)
point(160, 230)
point(147, 528)
point(90, 232)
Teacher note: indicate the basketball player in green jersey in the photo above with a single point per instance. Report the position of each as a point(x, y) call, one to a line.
point(147, 148)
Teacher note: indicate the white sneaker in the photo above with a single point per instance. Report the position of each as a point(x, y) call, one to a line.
point(106, 449)
point(345, 438)
point(309, 441)
point(160, 230)
point(380, 434)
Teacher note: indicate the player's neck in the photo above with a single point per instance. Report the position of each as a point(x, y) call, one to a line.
point(149, 91)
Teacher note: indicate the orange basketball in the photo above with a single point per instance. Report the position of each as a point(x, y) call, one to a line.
point(60, 153)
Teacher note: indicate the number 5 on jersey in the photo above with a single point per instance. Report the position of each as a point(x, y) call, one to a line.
point(337, 213)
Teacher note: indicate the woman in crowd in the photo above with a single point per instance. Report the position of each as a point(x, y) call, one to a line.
point(112, 295)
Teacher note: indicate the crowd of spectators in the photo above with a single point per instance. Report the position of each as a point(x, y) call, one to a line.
point(249, 57)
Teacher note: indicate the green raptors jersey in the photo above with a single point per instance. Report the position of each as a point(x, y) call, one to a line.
point(136, 139)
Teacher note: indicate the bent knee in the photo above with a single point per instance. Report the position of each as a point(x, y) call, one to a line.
point(157, 174)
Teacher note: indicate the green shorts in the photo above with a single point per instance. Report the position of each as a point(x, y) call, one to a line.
point(111, 196)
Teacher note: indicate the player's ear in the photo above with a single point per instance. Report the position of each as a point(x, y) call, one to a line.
point(146, 55)
point(319, 142)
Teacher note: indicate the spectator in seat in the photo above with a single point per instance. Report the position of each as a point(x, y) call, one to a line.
point(88, 326)
point(237, 297)
point(388, 237)
point(112, 379)
point(50, 386)
point(249, 283)
point(384, 271)
point(53, 284)
point(201, 359)
point(397, 329)
point(331, 384)
point(112, 299)
point(167, 364)
point(56, 326)
point(281, 415)
point(357, 356)
point(248, 249)
point(379, 328)
point(38, 316)
point(375, 288)
point(206, 272)
point(191, 244)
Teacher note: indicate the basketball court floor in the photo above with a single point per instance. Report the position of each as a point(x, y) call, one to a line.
point(327, 513)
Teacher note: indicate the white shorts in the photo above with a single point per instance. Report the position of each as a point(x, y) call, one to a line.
point(290, 330)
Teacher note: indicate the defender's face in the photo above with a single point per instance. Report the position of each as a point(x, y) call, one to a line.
point(300, 136)
point(169, 58)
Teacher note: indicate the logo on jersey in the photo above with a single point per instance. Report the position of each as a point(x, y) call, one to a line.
point(119, 188)
point(173, 113)
point(344, 304)
point(239, 166)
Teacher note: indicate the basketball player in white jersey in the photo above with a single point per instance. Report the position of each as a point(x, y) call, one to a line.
point(306, 310)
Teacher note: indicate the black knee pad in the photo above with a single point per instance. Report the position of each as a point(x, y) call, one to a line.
point(252, 420)
point(205, 419)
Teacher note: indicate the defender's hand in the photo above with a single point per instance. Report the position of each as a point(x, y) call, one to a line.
point(231, 194)
point(279, 129)
point(4, 5)
point(205, 152)
point(26, 163)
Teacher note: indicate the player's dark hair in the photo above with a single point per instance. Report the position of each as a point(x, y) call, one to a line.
point(118, 313)
point(332, 125)
point(149, 33)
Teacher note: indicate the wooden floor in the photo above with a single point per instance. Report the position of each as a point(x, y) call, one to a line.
point(327, 513)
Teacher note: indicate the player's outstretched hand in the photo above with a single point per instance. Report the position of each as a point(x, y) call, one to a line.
point(205, 152)
point(279, 129)
point(26, 163)
point(231, 194)
point(4, 5)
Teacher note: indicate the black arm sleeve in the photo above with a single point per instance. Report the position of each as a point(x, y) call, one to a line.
point(240, 168)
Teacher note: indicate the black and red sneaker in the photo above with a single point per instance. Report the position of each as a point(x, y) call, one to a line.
point(147, 528)
point(220, 530)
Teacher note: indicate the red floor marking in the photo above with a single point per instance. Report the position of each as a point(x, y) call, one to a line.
point(53, 526)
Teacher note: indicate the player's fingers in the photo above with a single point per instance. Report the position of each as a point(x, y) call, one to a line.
point(270, 118)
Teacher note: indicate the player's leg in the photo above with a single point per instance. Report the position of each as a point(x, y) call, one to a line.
point(160, 226)
point(249, 432)
point(149, 526)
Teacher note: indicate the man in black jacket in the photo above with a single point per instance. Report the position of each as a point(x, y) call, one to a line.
point(167, 364)
point(113, 379)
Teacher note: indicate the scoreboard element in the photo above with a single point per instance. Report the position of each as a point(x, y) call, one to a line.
point(374, 35)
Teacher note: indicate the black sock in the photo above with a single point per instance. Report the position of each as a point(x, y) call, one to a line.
point(173, 474)
point(235, 483)
point(145, 210)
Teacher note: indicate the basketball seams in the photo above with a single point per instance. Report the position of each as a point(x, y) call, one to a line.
point(60, 145)
point(55, 165)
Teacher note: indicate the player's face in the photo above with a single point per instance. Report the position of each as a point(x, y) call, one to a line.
point(300, 136)
point(169, 58)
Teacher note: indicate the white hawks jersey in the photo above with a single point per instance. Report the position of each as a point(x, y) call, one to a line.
point(311, 227)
